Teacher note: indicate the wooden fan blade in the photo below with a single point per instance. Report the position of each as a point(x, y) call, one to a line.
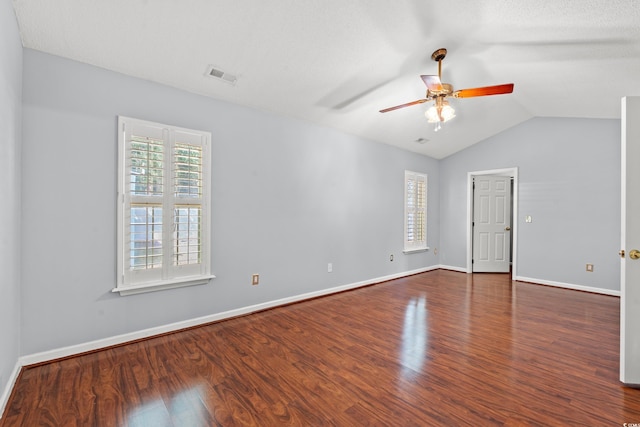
point(433, 83)
point(408, 104)
point(484, 91)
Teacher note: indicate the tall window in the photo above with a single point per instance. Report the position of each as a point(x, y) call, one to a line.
point(163, 206)
point(415, 211)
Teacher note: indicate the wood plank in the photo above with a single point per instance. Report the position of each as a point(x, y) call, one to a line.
point(438, 348)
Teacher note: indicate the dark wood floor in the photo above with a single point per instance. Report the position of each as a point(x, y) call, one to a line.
point(439, 348)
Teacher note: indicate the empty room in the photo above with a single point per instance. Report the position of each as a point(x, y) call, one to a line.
point(305, 213)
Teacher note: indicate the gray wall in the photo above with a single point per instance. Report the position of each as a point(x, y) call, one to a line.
point(288, 198)
point(569, 173)
point(10, 109)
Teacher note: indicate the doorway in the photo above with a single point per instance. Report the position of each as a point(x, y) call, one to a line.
point(512, 175)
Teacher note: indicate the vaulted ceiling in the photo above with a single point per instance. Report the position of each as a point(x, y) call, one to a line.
point(338, 62)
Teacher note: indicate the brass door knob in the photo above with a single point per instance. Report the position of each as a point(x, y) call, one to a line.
point(634, 254)
point(507, 228)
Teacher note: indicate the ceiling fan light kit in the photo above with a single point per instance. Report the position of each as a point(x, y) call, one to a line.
point(441, 112)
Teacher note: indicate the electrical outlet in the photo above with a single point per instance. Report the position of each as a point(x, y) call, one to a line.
point(590, 268)
point(255, 279)
point(435, 251)
point(329, 268)
point(391, 257)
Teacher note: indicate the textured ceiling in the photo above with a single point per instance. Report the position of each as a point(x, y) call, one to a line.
point(337, 62)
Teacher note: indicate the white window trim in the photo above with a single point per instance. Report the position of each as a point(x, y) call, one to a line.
point(421, 246)
point(163, 285)
point(414, 251)
point(169, 278)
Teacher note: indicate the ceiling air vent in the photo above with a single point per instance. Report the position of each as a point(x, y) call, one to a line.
point(221, 75)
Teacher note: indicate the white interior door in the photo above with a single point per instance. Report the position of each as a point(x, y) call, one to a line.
point(630, 241)
point(492, 224)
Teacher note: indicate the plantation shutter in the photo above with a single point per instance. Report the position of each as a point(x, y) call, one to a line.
point(187, 198)
point(145, 182)
point(415, 217)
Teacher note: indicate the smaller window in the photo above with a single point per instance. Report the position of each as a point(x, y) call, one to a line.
point(415, 211)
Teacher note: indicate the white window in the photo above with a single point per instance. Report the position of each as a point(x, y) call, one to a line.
point(163, 206)
point(415, 211)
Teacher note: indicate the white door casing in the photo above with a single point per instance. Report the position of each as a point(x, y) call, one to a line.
point(630, 239)
point(511, 172)
point(492, 224)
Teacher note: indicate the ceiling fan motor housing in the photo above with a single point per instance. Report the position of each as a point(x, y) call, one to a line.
point(446, 90)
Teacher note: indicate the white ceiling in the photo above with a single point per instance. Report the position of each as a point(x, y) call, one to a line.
point(337, 62)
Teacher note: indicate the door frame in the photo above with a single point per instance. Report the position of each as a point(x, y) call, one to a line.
point(513, 173)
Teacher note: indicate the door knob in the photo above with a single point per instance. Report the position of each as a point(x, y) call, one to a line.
point(634, 254)
point(507, 228)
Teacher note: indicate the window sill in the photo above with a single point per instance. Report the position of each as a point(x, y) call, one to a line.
point(165, 284)
point(414, 251)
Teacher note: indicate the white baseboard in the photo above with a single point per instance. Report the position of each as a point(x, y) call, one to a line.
point(9, 387)
point(569, 286)
point(172, 327)
point(572, 286)
point(453, 268)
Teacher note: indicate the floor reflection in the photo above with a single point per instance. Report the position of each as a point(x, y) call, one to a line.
point(185, 408)
point(414, 336)
point(150, 414)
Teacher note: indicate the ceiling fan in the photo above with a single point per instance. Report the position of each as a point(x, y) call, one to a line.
point(437, 91)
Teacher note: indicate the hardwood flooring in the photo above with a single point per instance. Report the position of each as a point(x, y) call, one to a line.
point(439, 348)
